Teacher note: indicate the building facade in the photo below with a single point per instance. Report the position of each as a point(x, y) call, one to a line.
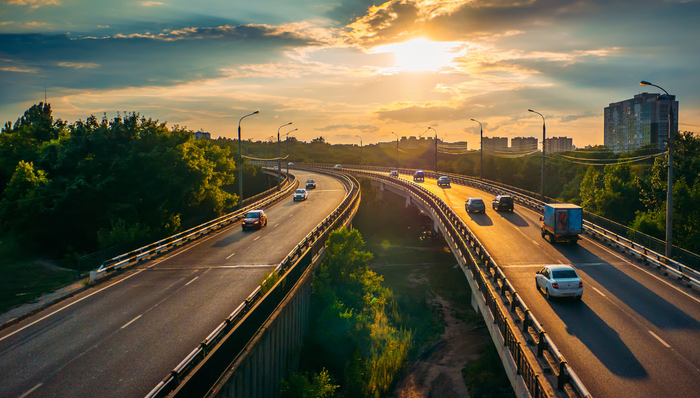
point(558, 144)
point(202, 134)
point(642, 120)
point(523, 144)
point(495, 143)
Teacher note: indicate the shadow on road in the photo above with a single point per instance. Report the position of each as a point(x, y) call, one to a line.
point(638, 297)
point(602, 340)
point(514, 219)
point(480, 219)
point(231, 239)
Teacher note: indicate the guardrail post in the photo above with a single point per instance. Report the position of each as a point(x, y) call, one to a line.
point(527, 322)
point(563, 377)
point(541, 345)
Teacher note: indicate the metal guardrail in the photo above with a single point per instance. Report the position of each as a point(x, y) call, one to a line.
point(200, 370)
point(163, 245)
point(466, 241)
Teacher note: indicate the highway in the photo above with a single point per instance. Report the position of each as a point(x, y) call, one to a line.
point(634, 334)
point(120, 338)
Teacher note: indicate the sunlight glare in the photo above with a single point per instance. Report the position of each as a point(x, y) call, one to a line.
point(420, 54)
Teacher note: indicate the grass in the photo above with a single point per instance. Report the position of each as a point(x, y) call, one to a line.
point(23, 279)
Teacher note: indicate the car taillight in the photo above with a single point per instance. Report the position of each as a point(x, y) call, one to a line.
point(580, 284)
point(555, 285)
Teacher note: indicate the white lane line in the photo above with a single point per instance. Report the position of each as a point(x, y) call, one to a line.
point(73, 303)
point(132, 321)
point(660, 339)
point(195, 278)
point(599, 292)
point(275, 225)
point(640, 268)
point(291, 215)
point(230, 256)
point(31, 391)
point(256, 239)
point(248, 266)
point(535, 242)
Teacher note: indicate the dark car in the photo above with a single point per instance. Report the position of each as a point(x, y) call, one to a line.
point(418, 176)
point(475, 205)
point(443, 181)
point(503, 202)
point(310, 183)
point(254, 219)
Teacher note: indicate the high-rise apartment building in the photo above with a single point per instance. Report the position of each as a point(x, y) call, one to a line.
point(558, 144)
point(523, 144)
point(496, 143)
point(642, 120)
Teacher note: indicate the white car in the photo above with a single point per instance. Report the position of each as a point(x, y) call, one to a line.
point(337, 166)
point(301, 194)
point(559, 281)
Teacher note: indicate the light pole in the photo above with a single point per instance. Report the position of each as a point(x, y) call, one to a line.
point(360, 148)
point(397, 149)
point(240, 164)
point(286, 139)
point(669, 188)
point(543, 145)
point(481, 149)
point(436, 170)
point(279, 156)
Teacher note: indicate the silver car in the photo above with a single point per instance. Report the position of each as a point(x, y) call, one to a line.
point(301, 194)
point(475, 204)
point(559, 281)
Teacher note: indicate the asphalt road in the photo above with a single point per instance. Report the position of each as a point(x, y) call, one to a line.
point(635, 333)
point(122, 337)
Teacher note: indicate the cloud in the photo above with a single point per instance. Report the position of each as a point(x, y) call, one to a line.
point(78, 65)
point(151, 3)
point(35, 24)
point(103, 26)
point(18, 69)
point(361, 127)
point(571, 118)
point(33, 3)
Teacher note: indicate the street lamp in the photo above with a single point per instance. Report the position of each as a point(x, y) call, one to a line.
point(279, 156)
point(481, 146)
point(360, 148)
point(240, 164)
point(286, 139)
point(436, 170)
point(397, 149)
point(543, 145)
point(669, 189)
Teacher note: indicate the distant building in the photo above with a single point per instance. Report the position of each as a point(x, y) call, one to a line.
point(413, 142)
point(642, 120)
point(496, 143)
point(558, 144)
point(202, 134)
point(523, 144)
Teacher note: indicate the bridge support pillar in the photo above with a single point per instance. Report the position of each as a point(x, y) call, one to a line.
point(408, 200)
point(436, 227)
point(380, 191)
point(475, 303)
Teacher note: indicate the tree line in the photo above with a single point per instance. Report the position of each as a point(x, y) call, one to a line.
point(72, 188)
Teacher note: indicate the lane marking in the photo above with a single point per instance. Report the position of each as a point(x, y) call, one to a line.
point(640, 268)
point(535, 242)
point(256, 239)
point(195, 278)
point(599, 292)
point(69, 305)
point(660, 339)
point(276, 225)
point(31, 391)
point(133, 320)
point(249, 266)
point(230, 256)
point(291, 215)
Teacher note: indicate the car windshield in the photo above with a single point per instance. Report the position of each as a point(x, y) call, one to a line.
point(300, 191)
point(564, 274)
point(477, 201)
point(506, 199)
point(309, 181)
point(253, 214)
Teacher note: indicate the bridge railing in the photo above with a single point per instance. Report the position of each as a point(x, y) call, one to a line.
point(171, 242)
point(484, 268)
point(199, 371)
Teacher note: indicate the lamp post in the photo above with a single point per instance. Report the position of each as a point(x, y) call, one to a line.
point(436, 139)
point(481, 149)
point(279, 156)
point(240, 164)
point(397, 149)
point(360, 148)
point(543, 145)
point(286, 139)
point(669, 188)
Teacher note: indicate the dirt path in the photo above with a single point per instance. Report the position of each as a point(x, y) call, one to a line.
point(438, 372)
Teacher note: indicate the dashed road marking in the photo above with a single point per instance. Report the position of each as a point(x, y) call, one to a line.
point(195, 278)
point(599, 292)
point(231, 255)
point(660, 339)
point(131, 321)
point(256, 239)
point(31, 391)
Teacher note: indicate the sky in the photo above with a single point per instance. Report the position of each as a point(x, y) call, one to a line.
point(351, 70)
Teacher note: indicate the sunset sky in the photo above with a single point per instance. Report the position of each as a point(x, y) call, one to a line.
point(344, 68)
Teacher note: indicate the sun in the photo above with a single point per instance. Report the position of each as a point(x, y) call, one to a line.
point(420, 54)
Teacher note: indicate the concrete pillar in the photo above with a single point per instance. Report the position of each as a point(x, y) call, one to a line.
point(408, 200)
point(475, 303)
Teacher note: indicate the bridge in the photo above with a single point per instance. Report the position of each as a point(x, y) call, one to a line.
point(634, 334)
